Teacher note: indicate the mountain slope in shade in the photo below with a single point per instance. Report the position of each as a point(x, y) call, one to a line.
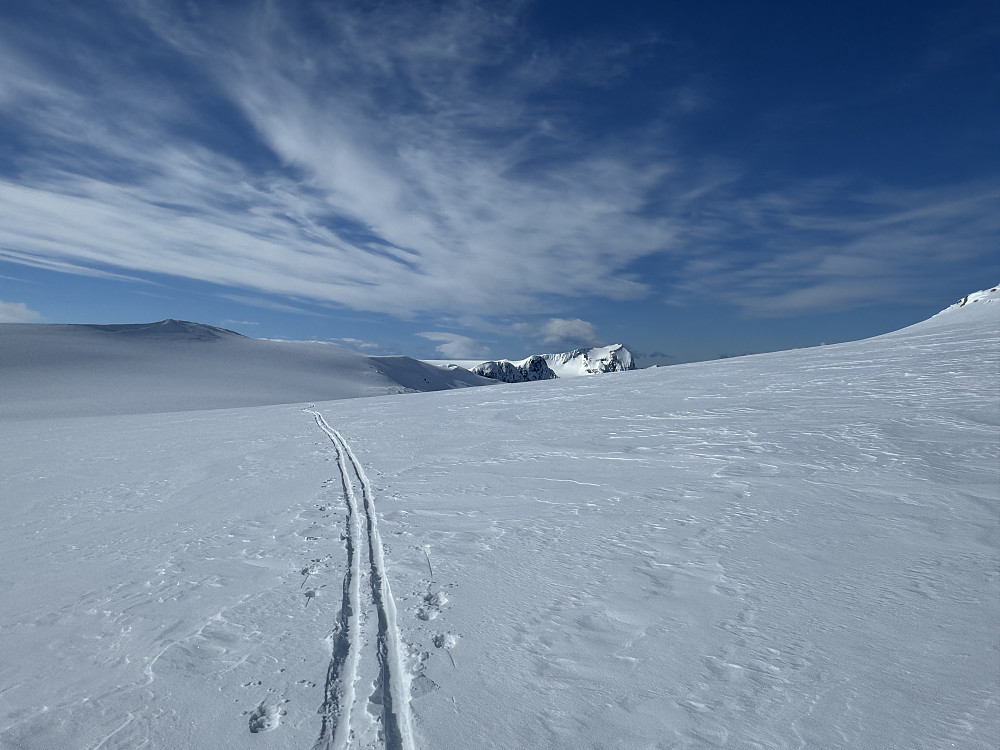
point(84, 370)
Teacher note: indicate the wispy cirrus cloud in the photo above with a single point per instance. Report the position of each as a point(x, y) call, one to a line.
point(415, 158)
point(423, 198)
point(834, 246)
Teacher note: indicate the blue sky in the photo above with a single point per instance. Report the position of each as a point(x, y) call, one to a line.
point(482, 179)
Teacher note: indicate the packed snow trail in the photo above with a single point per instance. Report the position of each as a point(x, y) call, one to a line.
point(343, 671)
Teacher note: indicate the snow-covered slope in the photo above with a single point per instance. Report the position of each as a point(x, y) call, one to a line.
point(165, 330)
point(978, 308)
point(778, 551)
point(613, 358)
point(986, 295)
point(176, 365)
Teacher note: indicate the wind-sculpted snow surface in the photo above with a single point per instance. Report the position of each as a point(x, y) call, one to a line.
point(780, 551)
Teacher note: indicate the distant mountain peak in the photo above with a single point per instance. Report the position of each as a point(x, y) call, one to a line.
point(599, 359)
point(613, 358)
point(168, 329)
point(533, 368)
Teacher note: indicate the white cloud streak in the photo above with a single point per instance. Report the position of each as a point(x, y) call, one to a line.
point(18, 312)
point(455, 345)
point(568, 332)
point(353, 343)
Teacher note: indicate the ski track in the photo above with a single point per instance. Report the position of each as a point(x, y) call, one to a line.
point(346, 646)
point(342, 673)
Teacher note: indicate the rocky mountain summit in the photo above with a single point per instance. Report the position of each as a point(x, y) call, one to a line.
point(614, 358)
point(533, 368)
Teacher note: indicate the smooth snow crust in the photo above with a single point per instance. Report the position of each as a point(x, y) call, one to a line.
point(786, 550)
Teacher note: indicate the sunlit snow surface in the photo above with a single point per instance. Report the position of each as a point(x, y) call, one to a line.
point(788, 550)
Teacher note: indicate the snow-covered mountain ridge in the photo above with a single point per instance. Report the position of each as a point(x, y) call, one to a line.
point(613, 358)
point(600, 359)
point(533, 368)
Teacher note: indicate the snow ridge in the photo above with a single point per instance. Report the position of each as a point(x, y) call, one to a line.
point(394, 681)
point(985, 295)
point(972, 310)
point(169, 329)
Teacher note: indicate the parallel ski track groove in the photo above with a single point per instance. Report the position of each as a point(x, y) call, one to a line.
point(335, 733)
point(395, 685)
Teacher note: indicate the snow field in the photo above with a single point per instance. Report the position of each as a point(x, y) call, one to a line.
point(156, 577)
point(800, 551)
point(780, 551)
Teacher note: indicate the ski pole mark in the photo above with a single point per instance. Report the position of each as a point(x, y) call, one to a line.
point(343, 670)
